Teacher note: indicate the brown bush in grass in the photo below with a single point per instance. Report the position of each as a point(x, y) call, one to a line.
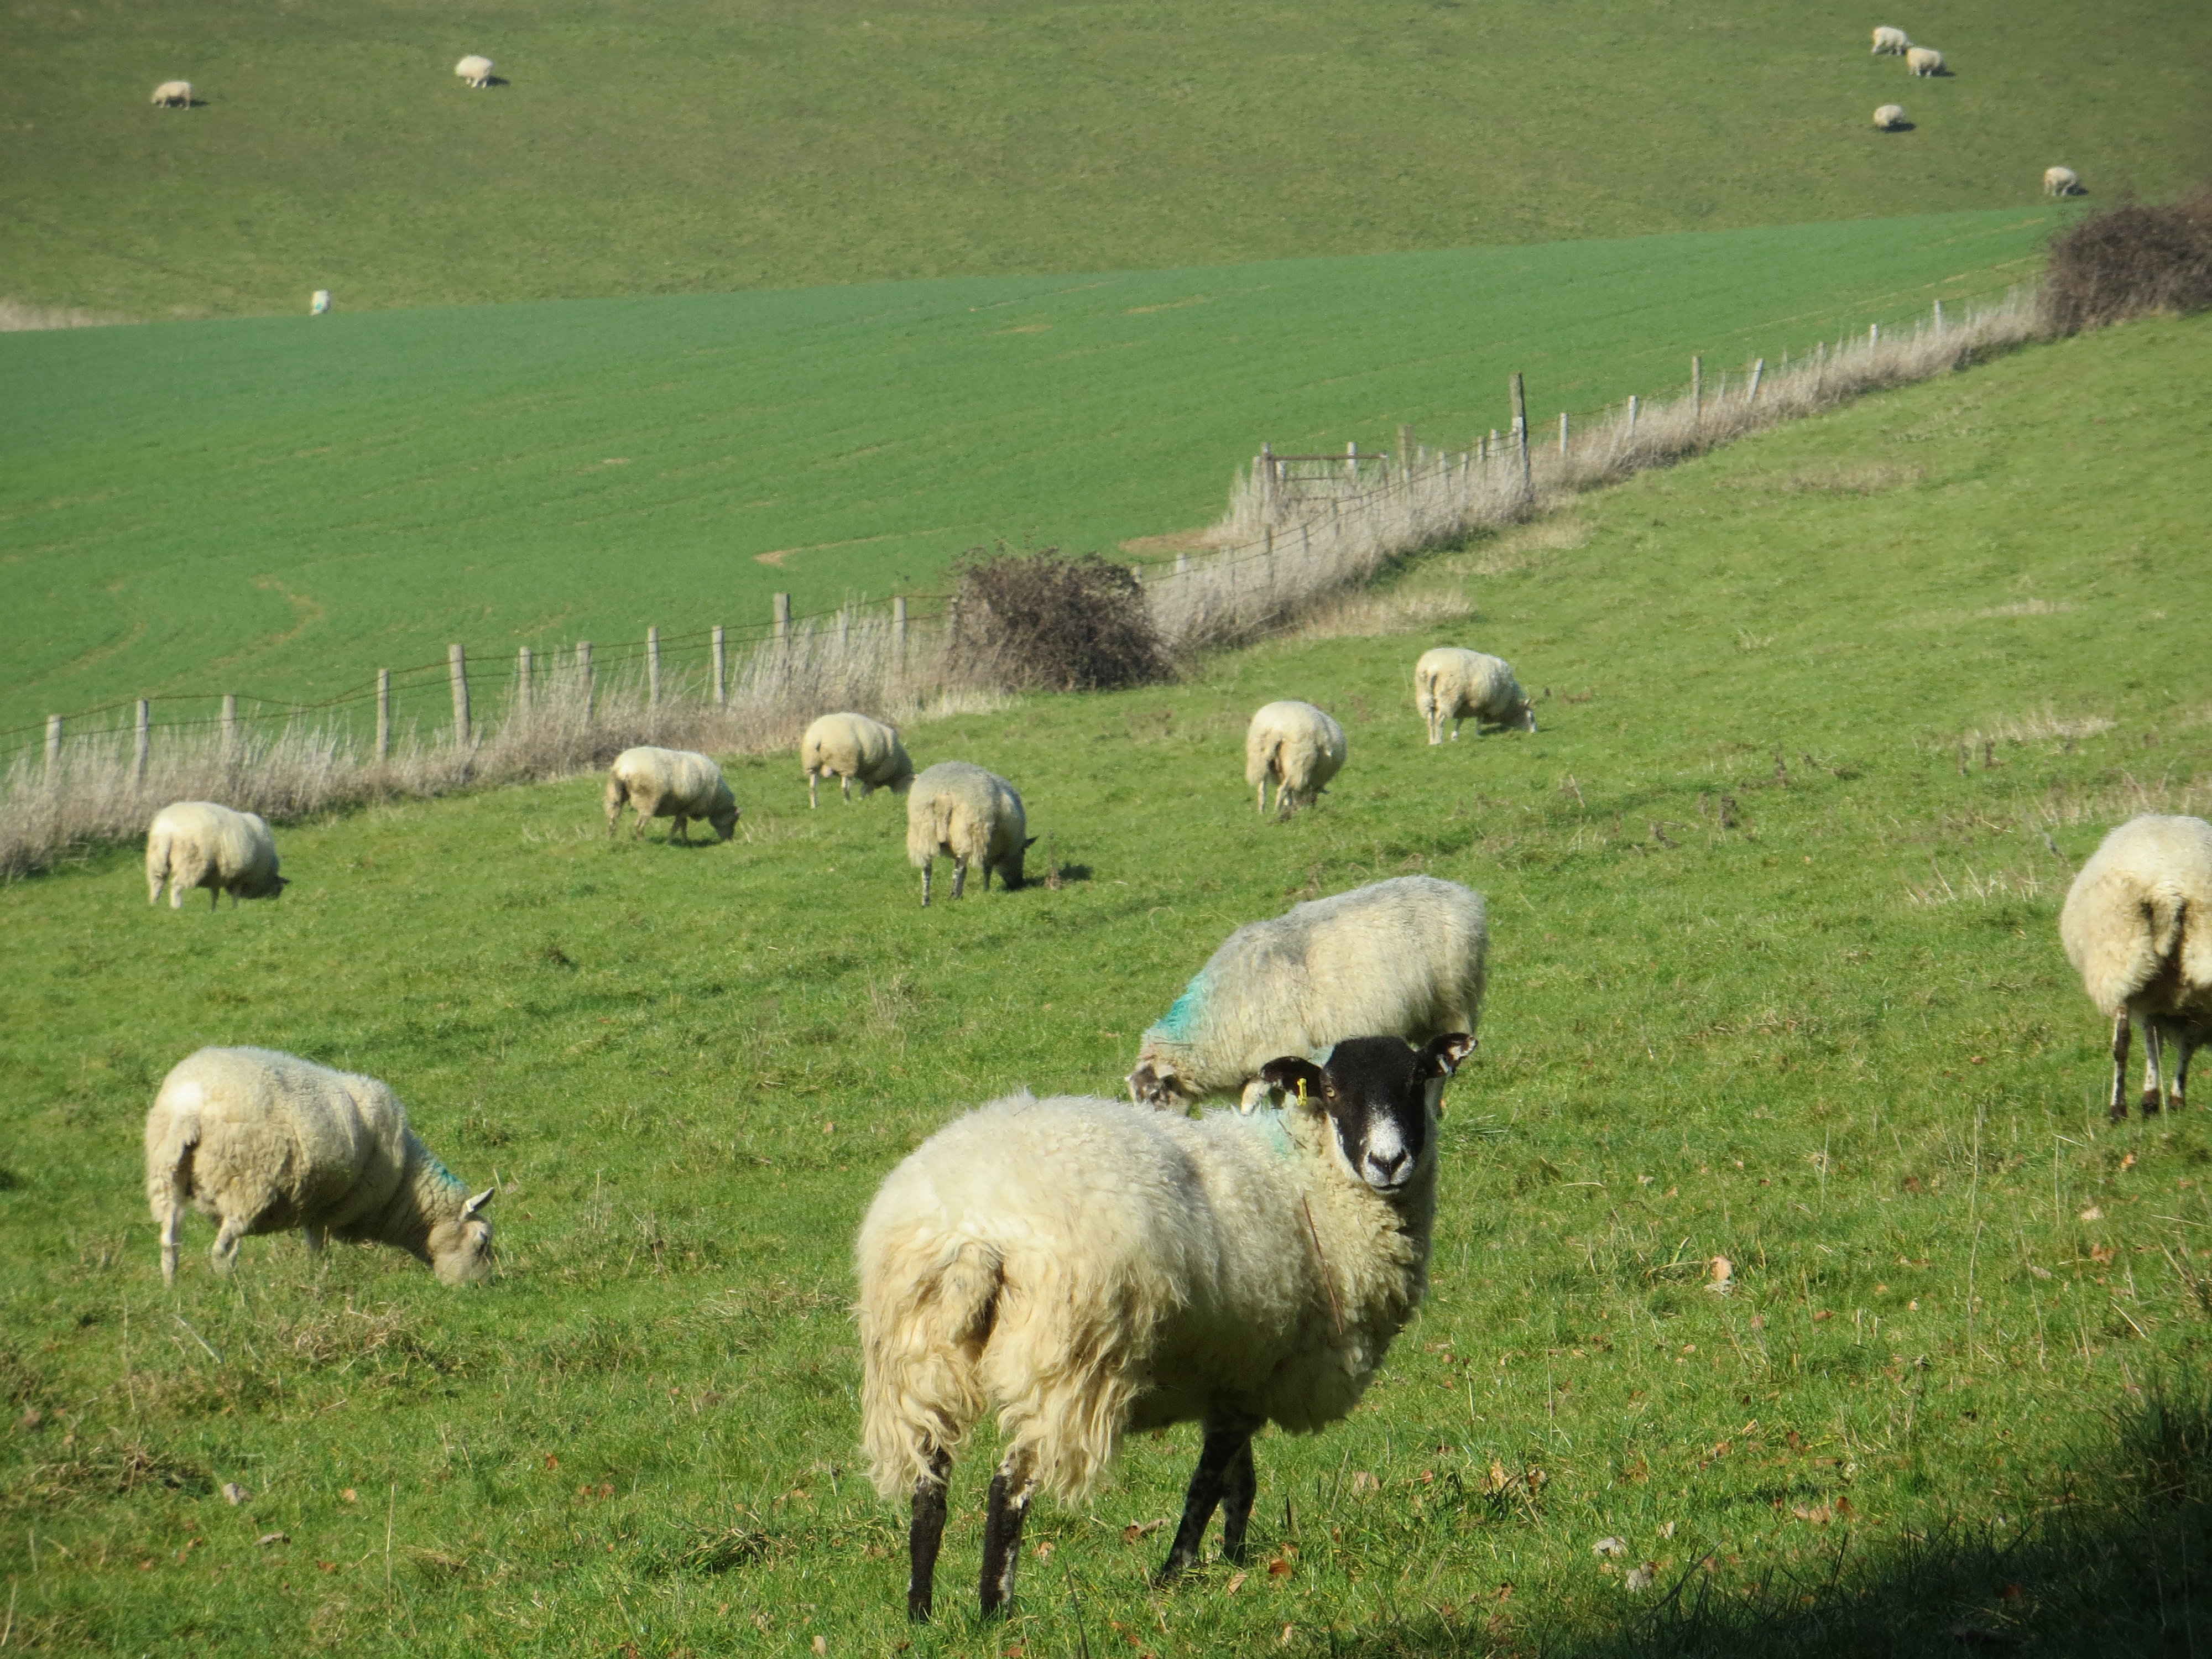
point(1041, 621)
point(2129, 260)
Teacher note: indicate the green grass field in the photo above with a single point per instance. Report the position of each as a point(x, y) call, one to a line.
point(694, 146)
point(1775, 977)
point(280, 507)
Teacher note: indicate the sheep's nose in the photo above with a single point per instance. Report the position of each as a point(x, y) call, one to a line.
point(1387, 1168)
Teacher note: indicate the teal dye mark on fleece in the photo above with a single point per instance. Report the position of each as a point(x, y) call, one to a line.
point(1176, 1025)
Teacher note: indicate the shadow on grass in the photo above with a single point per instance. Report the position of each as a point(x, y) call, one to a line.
point(2116, 1562)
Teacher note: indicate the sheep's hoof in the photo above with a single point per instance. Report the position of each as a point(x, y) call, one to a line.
point(2149, 1104)
point(2119, 1112)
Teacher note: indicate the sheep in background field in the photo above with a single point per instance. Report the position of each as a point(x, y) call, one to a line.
point(1404, 957)
point(264, 1142)
point(174, 94)
point(1095, 1271)
point(1452, 684)
point(2137, 926)
point(853, 746)
point(972, 815)
point(670, 783)
point(1889, 117)
point(2060, 181)
point(197, 843)
point(474, 70)
point(1924, 60)
point(1298, 745)
point(1888, 40)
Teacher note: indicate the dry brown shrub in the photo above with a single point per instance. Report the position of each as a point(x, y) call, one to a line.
point(1045, 622)
point(2129, 261)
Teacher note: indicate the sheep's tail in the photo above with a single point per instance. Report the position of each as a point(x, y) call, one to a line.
point(926, 1306)
point(169, 1181)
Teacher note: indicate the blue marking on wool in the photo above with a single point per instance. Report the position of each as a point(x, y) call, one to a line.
point(1176, 1025)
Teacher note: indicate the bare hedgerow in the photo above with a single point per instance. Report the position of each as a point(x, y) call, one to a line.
point(2131, 261)
point(1043, 621)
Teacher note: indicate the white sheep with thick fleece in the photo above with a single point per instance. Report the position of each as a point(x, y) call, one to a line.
point(1297, 747)
point(1453, 684)
point(974, 817)
point(475, 69)
point(263, 1142)
point(1890, 40)
point(1889, 117)
point(670, 783)
point(1924, 60)
point(2060, 181)
point(197, 843)
point(855, 749)
point(174, 94)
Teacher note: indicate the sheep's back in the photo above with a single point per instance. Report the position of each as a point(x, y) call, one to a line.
point(2143, 897)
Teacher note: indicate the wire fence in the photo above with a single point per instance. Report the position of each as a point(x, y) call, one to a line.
point(1298, 527)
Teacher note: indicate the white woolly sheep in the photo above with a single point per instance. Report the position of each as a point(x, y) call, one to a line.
point(174, 94)
point(1924, 60)
point(1452, 684)
point(1404, 957)
point(2060, 181)
point(670, 783)
point(973, 817)
point(1888, 40)
point(1299, 746)
point(853, 747)
point(1094, 1271)
point(1889, 117)
point(2137, 926)
point(263, 1142)
point(197, 843)
point(475, 70)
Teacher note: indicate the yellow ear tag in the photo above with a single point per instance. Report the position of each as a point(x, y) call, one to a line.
point(1302, 1091)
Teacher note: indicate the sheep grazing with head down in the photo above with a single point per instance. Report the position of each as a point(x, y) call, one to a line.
point(1455, 685)
point(1889, 117)
point(1924, 60)
point(973, 817)
point(197, 843)
point(1887, 40)
point(1093, 1271)
point(1297, 747)
point(264, 1142)
point(1404, 957)
point(853, 748)
point(174, 94)
point(475, 70)
point(670, 783)
point(2137, 926)
point(2060, 181)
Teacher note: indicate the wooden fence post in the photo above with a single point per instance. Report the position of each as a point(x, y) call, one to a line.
point(144, 723)
point(1266, 467)
point(898, 628)
point(1819, 366)
point(1405, 454)
point(457, 669)
point(522, 679)
point(1521, 436)
point(652, 668)
point(229, 724)
point(584, 672)
point(1352, 462)
point(1757, 372)
point(1631, 417)
point(1563, 435)
point(1182, 564)
point(780, 605)
point(1873, 334)
point(1697, 390)
point(383, 715)
point(722, 668)
point(54, 749)
point(1939, 317)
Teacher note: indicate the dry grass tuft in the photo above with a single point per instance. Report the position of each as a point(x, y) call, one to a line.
point(1370, 616)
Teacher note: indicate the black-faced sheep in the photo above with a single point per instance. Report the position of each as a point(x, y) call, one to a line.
point(1404, 957)
point(1092, 1270)
point(1297, 747)
point(973, 817)
point(853, 748)
point(197, 843)
point(264, 1142)
point(1455, 685)
point(670, 783)
point(2137, 926)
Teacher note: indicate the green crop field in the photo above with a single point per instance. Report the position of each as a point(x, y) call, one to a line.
point(280, 507)
point(1775, 977)
point(698, 147)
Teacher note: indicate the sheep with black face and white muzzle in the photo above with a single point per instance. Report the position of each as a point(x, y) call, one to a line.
point(1092, 1271)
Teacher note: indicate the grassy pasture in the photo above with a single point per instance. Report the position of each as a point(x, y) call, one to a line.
point(1776, 978)
point(697, 147)
point(280, 507)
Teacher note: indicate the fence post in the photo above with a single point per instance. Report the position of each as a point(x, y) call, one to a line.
point(1873, 334)
point(1521, 434)
point(780, 606)
point(1631, 417)
point(230, 723)
point(1352, 462)
point(522, 679)
point(457, 668)
point(1265, 466)
point(1939, 316)
point(584, 669)
point(1405, 454)
point(1563, 435)
point(1757, 372)
point(652, 668)
point(1697, 390)
point(898, 628)
point(383, 715)
point(1182, 564)
point(54, 748)
point(1819, 366)
point(143, 722)
point(721, 664)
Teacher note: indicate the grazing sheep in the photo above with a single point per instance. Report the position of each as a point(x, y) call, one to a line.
point(1924, 60)
point(195, 843)
point(1299, 746)
point(1888, 40)
point(1405, 957)
point(1095, 1271)
point(475, 70)
point(174, 94)
point(2137, 926)
point(2060, 181)
point(1451, 685)
point(972, 815)
point(1889, 117)
point(318, 302)
point(263, 1142)
point(670, 783)
point(853, 746)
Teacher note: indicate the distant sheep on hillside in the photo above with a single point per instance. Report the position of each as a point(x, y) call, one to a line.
point(1299, 746)
point(1889, 117)
point(1890, 40)
point(2060, 181)
point(174, 94)
point(1455, 685)
point(475, 70)
point(670, 783)
point(1924, 60)
point(197, 843)
point(851, 747)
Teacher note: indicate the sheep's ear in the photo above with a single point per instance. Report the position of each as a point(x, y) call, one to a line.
point(1031, 842)
point(1297, 1076)
point(469, 1209)
point(1442, 1056)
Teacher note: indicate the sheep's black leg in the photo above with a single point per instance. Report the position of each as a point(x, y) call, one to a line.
point(1217, 1457)
point(1240, 1485)
point(923, 1538)
point(2121, 1032)
point(959, 877)
point(1010, 1489)
point(2182, 1047)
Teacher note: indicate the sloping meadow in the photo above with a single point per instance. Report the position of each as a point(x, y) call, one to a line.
point(1783, 1244)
